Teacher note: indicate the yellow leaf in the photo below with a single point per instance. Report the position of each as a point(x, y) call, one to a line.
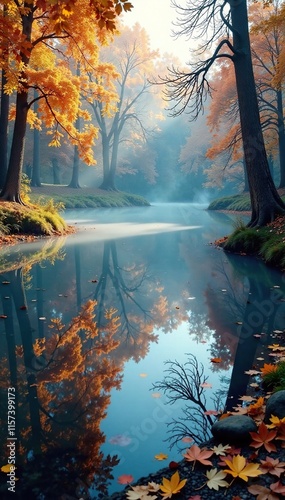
point(238, 468)
point(7, 468)
point(172, 486)
point(161, 456)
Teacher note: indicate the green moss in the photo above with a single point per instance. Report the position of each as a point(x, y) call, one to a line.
point(245, 239)
point(37, 220)
point(238, 202)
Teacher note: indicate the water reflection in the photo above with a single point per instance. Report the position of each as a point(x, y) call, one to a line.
point(157, 291)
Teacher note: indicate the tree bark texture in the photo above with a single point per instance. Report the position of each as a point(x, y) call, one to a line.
point(265, 200)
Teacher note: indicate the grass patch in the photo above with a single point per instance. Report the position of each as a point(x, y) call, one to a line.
point(80, 199)
point(238, 202)
point(266, 242)
point(30, 219)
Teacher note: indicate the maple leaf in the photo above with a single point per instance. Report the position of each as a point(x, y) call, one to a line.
point(262, 492)
point(256, 408)
point(125, 479)
point(273, 466)
point(216, 479)
point(263, 438)
point(268, 368)
point(139, 493)
point(239, 468)
point(221, 449)
point(172, 486)
point(161, 456)
point(275, 422)
point(195, 453)
point(278, 487)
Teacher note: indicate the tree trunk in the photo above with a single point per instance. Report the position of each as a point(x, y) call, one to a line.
point(74, 183)
point(4, 126)
point(36, 181)
point(55, 171)
point(265, 201)
point(281, 137)
point(108, 177)
point(11, 189)
point(246, 185)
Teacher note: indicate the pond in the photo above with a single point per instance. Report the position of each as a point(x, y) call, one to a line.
point(90, 324)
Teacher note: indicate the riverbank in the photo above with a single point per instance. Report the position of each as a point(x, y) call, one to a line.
point(267, 243)
point(196, 488)
point(40, 216)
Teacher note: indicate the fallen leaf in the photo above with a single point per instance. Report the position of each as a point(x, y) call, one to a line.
point(206, 385)
point(172, 485)
point(7, 468)
point(187, 439)
point(221, 449)
point(262, 492)
point(216, 360)
point(161, 456)
point(211, 412)
point(216, 479)
point(143, 375)
point(239, 468)
point(156, 395)
point(278, 487)
point(252, 372)
point(125, 479)
point(195, 453)
point(173, 465)
point(3, 316)
point(272, 466)
point(263, 438)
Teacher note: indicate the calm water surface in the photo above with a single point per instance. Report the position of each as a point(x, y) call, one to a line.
point(84, 397)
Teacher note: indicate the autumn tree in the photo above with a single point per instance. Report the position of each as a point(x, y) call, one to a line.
point(225, 23)
point(131, 122)
point(34, 30)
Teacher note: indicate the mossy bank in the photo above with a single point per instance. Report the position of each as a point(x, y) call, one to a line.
point(267, 243)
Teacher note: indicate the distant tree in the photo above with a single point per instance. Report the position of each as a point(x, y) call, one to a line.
point(134, 61)
point(227, 19)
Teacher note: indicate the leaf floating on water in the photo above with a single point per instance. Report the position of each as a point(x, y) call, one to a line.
point(120, 440)
point(125, 479)
point(6, 282)
point(3, 316)
point(143, 375)
point(238, 322)
point(206, 385)
point(23, 308)
point(161, 456)
point(187, 439)
point(211, 412)
point(156, 395)
point(42, 318)
point(246, 398)
point(177, 307)
point(191, 298)
point(216, 360)
point(252, 372)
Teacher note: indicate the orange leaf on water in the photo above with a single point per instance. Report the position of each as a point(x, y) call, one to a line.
point(125, 479)
point(216, 360)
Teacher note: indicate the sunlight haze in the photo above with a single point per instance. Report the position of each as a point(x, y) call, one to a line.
point(157, 17)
